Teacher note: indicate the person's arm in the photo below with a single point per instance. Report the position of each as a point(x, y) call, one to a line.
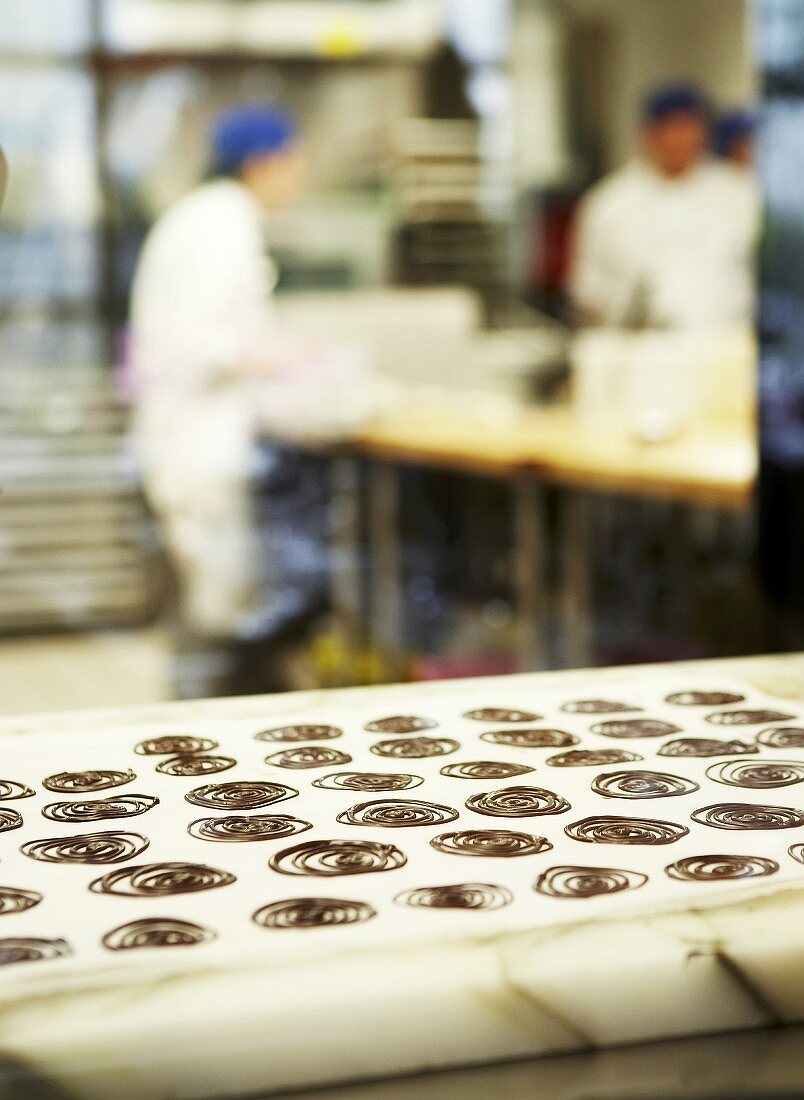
point(591, 277)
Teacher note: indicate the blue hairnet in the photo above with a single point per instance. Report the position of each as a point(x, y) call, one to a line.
point(252, 131)
point(731, 127)
point(672, 99)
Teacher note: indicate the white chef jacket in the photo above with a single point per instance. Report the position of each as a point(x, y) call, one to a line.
point(671, 253)
point(201, 307)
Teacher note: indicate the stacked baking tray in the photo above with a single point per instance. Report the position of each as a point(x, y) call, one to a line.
point(73, 528)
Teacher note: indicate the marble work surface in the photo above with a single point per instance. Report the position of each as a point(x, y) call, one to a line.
point(255, 895)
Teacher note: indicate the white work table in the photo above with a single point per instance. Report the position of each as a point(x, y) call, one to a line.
point(379, 924)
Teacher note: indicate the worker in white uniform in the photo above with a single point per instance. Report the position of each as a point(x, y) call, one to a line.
point(667, 241)
point(203, 339)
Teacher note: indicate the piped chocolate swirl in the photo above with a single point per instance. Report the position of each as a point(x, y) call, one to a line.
point(747, 717)
point(721, 868)
point(705, 746)
point(603, 829)
point(368, 781)
point(587, 882)
point(583, 758)
point(157, 880)
point(100, 809)
point(785, 737)
point(746, 815)
point(15, 900)
point(531, 739)
point(243, 795)
point(308, 756)
point(635, 727)
point(81, 782)
point(386, 813)
point(485, 769)
point(757, 774)
point(300, 733)
point(703, 698)
point(501, 714)
point(496, 843)
point(304, 913)
point(9, 820)
point(598, 706)
point(518, 802)
point(174, 745)
point(30, 949)
point(642, 784)
point(194, 764)
point(104, 847)
point(156, 932)
point(400, 723)
point(240, 829)
point(327, 858)
point(416, 748)
point(10, 790)
point(466, 895)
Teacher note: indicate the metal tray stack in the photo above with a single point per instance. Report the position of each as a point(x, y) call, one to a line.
point(74, 533)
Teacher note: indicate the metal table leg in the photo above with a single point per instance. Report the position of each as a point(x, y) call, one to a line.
point(385, 564)
point(530, 574)
point(577, 604)
point(345, 575)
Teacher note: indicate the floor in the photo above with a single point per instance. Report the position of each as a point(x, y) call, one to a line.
point(74, 671)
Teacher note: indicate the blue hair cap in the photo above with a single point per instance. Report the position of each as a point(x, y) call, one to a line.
point(673, 99)
point(731, 127)
point(250, 131)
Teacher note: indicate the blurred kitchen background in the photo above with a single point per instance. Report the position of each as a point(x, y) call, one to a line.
point(498, 503)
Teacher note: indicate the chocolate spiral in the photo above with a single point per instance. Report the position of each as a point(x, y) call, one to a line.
point(531, 739)
point(241, 828)
point(747, 717)
point(9, 819)
point(757, 774)
point(587, 882)
point(797, 852)
point(174, 745)
point(635, 727)
point(500, 843)
point(721, 868)
point(485, 769)
point(580, 758)
point(14, 900)
point(745, 815)
point(368, 781)
point(108, 847)
point(641, 784)
point(416, 748)
point(517, 802)
point(385, 813)
point(308, 756)
point(313, 913)
point(400, 723)
point(241, 795)
point(705, 746)
point(625, 830)
point(156, 932)
point(10, 790)
point(325, 858)
point(195, 764)
point(300, 733)
point(703, 698)
point(500, 714)
point(100, 809)
point(597, 706)
point(785, 737)
point(467, 895)
point(156, 880)
point(79, 782)
point(29, 949)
